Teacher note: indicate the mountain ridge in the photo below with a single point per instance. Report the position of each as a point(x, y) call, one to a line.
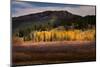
point(56, 18)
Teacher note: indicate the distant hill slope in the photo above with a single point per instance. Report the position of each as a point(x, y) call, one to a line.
point(52, 19)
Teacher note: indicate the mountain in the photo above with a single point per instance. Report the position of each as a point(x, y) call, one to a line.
point(52, 19)
point(45, 15)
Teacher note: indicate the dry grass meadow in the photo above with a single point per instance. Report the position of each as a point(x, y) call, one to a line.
point(55, 47)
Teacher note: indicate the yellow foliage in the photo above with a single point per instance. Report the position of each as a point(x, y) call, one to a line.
point(70, 35)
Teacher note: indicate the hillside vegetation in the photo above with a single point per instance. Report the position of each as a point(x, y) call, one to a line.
point(53, 26)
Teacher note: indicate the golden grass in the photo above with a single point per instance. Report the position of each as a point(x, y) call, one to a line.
point(48, 36)
point(70, 35)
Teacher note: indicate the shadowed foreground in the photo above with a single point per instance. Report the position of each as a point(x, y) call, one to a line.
point(54, 52)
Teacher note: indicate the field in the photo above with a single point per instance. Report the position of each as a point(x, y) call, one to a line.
point(70, 35)
point(44, 47)
point(54, 35)
point(54, 52)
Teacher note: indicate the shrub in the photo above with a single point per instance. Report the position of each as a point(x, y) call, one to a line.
point(70, 35)
point(17, 40)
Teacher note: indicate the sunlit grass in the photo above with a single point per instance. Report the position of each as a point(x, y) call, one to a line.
point(70, 35)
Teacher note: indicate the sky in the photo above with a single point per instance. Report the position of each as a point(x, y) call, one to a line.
point(19, 8)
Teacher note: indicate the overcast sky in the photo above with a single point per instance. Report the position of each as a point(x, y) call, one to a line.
point(24, 8)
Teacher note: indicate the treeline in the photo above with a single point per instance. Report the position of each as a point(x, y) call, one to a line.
point(84, 23)
point(54, 35)
point(58, 22)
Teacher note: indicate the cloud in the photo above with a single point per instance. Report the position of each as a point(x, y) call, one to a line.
point(82, 10)
point(24, 8)
point(17, 4)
